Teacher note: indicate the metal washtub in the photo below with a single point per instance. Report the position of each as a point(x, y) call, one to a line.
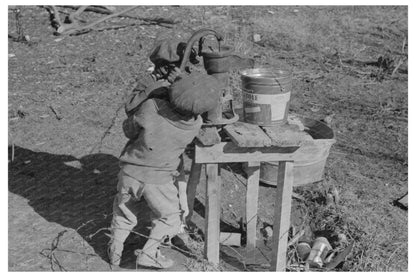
point(310, 158)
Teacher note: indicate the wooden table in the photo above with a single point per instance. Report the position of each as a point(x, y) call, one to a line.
point(249, 144)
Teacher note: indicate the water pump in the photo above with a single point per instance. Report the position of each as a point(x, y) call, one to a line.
point(219, 64)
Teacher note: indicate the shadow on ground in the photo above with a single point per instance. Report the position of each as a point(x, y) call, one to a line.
point(75, 193)
point(78, 194)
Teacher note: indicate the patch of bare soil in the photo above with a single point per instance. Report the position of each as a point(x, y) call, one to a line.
point(65, 112)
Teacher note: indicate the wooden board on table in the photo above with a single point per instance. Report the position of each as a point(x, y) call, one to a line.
point(208, 136)
point(229, 152)
point(287, 135)
point(247, 135)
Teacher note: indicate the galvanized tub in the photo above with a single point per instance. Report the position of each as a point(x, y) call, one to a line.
point(310, 158)
point(266, 95)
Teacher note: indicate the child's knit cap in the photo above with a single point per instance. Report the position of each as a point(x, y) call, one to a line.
point(196, 93)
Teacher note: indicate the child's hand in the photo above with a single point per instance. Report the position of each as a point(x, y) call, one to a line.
point(173, 74)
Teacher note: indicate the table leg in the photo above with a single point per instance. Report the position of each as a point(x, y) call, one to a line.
point(282, 215)
point(193, 182)
point(212, 214)
point(253, 173)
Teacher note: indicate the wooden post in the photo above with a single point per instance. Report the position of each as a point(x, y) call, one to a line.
point(253, 173)
point(282, 215)
point(212, 214)
point(193, 182)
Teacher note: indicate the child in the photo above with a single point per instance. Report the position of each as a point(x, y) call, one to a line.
point(166, 55)
point(159, 131)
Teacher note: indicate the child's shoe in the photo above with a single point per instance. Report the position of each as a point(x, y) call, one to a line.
point(156, 261)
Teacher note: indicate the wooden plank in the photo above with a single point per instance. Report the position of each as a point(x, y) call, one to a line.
point(287, 135)
point(254, 258)
point(282, 216)
point(228, 152)
point(212, 214)
point(247, 135)
point(209, 136)
point(253, 173)
point(193, 182)
point(233, 239)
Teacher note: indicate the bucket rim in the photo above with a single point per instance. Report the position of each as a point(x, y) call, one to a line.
point(225, 51)
point(269, 73)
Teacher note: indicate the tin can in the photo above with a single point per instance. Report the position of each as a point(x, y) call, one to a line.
point(318, 252)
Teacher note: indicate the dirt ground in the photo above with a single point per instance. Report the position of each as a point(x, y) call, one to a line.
point(65, 112)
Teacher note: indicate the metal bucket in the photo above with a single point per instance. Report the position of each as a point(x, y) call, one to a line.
point(218, 62)
point(310, 158)
point(266, 95)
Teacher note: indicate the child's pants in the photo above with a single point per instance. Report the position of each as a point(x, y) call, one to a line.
point(163, 200)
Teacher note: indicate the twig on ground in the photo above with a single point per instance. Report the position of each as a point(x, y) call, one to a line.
point(56, 20)
point(75, 15)
point(97, 9)
point(298, 196)
point(116, 27)
point(89, 26)
point(57, 115)
point(404, 45)
point(51, 255)
point(397, 67)
point(391, 256)
point(296, 238)
point(75, 252)
point(19, 28)
point(104, 10)
point(107, 131)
